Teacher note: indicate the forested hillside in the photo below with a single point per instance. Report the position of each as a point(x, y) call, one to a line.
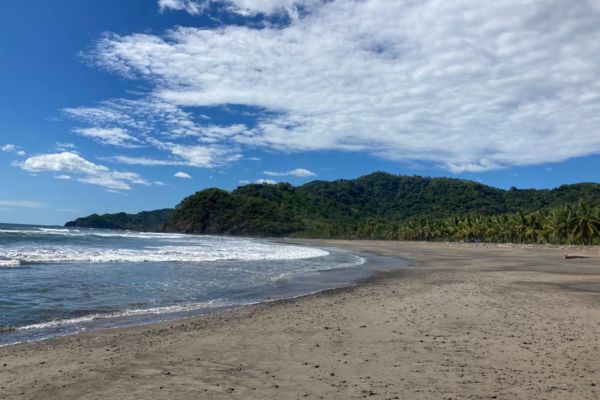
point(378, 205)
point(146, 221)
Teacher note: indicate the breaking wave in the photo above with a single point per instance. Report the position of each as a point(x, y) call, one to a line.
point(157, 247)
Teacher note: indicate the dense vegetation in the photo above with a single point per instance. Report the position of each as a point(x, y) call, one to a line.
point(568, 224)
point(385, 206)
point(146, 221)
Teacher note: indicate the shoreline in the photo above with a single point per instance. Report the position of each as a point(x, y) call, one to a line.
point(305, 284)
point(442, 329)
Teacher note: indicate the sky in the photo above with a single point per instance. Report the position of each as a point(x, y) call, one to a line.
point(112, 105)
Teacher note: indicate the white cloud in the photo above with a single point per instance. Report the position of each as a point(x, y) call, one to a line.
point(298, 172)
point(64, 146)
point(203, 156)
point(21, 204)
point(10, 148)
point(143, 161)
point(191, 6)
point(113, 136)
point(195, 155)
point(63, 177)
point(468, 85)
point(188, 155)
point(148, 117)
point(62, 162)
point(182, 175)
point(266, 182)
point(88, 172)
point(259, 182)
point(243, 7)
point(161, 125)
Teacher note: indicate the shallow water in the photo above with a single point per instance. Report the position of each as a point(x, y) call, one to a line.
point(57, 281)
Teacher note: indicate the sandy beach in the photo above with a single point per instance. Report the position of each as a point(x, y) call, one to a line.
point(467, 321)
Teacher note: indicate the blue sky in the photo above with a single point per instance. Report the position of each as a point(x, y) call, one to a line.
point(110, 105)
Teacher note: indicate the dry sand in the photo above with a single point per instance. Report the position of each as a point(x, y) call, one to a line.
point(470, 321)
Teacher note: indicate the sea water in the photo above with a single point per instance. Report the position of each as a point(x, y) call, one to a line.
point(56, 281)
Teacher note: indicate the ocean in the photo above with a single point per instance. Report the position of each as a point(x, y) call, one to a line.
point(57, 281)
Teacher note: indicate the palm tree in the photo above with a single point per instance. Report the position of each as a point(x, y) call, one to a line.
point(556, 224)
point(585, 224)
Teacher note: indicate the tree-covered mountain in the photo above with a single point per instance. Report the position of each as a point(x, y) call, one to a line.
point(146, 221)
point(343, 208)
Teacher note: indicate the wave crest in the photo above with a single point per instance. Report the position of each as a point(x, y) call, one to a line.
point(234, 251)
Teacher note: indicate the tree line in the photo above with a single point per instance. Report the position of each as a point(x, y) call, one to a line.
point(567, 224)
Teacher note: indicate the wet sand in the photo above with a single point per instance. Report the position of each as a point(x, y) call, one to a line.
point(468, 321)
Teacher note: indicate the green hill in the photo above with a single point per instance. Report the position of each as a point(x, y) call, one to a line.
point(364, 207)
point(146, 221)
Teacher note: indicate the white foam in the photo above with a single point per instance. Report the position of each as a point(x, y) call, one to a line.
point(55, 230)
point(70, 232)
point(160, 247)
point(228, 250)
point(129, 234)
point(9, 263)
point(57, 323)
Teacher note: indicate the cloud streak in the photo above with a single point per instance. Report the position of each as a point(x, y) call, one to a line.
point(21, 204)
point(111, 136)
point(298, 172)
